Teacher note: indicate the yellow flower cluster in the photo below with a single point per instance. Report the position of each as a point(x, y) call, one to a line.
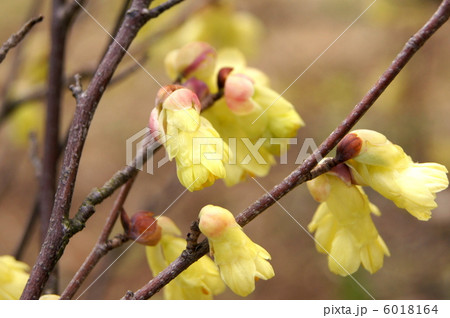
point(249, 116)
point(199, 281)
point(342, 223)
point(343, 226)
point(240, 261)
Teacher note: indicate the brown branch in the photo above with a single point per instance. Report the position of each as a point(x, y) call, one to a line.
point(103, 246)
point(156, 11)
point(16, 38)
point(305, 171)
point(58, 31)
point(60, 228)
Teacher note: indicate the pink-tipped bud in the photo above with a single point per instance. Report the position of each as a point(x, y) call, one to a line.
point(163, 93)
point(349, 147)
point(182, 98)
point(238, 94)
point(214, 221)
point(142, 227)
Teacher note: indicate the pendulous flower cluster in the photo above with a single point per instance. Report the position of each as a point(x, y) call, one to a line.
point(246, 128)
point(342, 223)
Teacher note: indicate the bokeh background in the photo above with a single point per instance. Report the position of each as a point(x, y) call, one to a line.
point(282, 39)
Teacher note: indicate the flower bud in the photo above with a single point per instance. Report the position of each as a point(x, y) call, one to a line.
point(214, 220)
point(163, 93)
point(195, 59)
point(142, 227)
point(238, 93)
point(180, 99)
point(348, 147)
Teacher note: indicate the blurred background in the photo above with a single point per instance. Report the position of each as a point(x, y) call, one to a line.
point(282, 39)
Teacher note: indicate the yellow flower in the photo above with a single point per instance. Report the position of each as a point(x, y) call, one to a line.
point(343, 227)
point(201, 280)
point(13, 277)
point(387, 169)
point(240, 261)
point(28, 118)
point(199, 151)
point(50, 297)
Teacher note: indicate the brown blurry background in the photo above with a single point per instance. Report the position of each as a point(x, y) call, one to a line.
point(413, 112)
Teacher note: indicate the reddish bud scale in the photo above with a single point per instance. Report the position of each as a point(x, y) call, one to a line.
point(142, 228)
point(165, 92)
point(222, 76)
point(348, 148)
point(343, 172)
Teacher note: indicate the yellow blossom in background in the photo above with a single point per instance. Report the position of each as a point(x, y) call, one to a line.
point(240, 261)
point(13, 277)
point(50, 297)
point(218, 23)
point(199, 151)
point(387, 169)
point(27, 118)
point(201, 280)
point(343, 227)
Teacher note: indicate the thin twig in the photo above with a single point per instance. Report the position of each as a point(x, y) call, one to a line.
point(305, 171)
point(28, 231)
point(103, 246)
point(16, 38)
point(17, 59)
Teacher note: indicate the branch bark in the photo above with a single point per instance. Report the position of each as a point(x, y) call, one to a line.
point(60, 229)
point(306, 170)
